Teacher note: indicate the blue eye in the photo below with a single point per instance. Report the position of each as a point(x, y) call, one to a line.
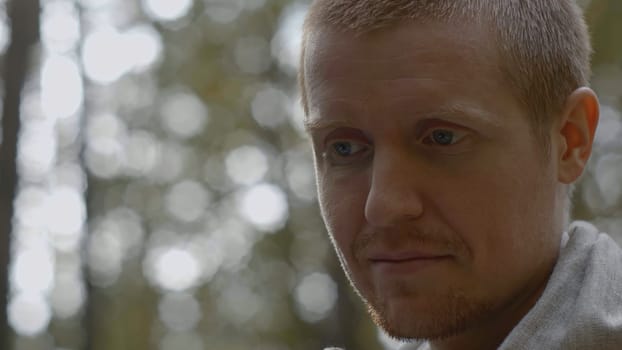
point(343, 149)
point(442, 137)
point(346, 152)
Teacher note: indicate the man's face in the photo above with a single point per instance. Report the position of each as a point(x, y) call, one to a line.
point(441, 205)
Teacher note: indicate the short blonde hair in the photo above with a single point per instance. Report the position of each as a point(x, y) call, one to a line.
point(544, 45)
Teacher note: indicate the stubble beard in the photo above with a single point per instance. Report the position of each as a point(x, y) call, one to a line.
point(449, 314)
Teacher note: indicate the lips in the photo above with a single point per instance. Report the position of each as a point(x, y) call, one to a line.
point(394, 257)
point(405, 262)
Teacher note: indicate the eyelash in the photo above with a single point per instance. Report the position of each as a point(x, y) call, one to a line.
point(457, 136)
point(332, 156)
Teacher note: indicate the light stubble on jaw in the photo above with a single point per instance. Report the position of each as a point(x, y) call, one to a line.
point(452, 313)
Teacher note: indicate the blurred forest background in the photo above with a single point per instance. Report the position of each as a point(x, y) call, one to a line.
point(164, 192)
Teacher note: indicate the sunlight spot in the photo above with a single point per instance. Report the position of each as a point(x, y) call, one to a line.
point(60, 27)
point(32, 270)
point(96, 4)
point(37, 150)
point(142, 46)
point(246, 165)
point(100, 65)
point(187, 200)
point(184, 114)
point(126, 226)
point(265, 206)
point(179, 311)
point(30, 207)
point(270, 107)
point(235, 241)
point(104, 132)
point(287, 42)
point(167, 10)
point(141, 153)
point(210, 255)
point(104, 136)
point(29, 313)
point(5, 33)
point(315, 296)
point(68, 295)
point(174, 269)
point(66, 213)
point(171, 160)
point(104, 257)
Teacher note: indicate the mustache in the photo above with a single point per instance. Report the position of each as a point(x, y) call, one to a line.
point(408, 236)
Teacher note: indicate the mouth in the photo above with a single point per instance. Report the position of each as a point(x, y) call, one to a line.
point(406, 263)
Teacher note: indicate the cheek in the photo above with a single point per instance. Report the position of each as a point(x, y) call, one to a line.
point(500, 216)
point(342, 204)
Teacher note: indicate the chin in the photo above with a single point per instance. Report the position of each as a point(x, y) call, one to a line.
point(443, 317)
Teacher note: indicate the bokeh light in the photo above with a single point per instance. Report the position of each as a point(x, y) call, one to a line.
point(69, 294)
point(143, 47)
point(179, 311)
point(265, 206)
point(104, 256)
point(270, 107)
point(315, 296)
point(37, 149)
point(61, 87)
point(166, 10)
point(183, 114)
point(246, 165)
point(102, 56)
point(60, 27)
point(66, 211)
point(287, 41)
point(173, 269)
point(29, 313)
point(32, 270)
point(187, 200)
point(4, 33)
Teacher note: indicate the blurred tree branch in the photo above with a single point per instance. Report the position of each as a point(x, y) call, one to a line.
point(24, 18)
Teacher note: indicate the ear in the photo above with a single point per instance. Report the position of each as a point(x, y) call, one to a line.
point(577, 129)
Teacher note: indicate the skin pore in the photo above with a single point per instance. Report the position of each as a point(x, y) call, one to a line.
point(441, 205)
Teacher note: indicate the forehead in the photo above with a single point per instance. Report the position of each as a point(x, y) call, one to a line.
point(405, 51)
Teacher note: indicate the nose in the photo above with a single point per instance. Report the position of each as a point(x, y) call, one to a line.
point(394, 192)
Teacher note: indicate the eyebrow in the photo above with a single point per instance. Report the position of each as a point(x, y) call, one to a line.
point(315, 125)
point(455, 112)
point(459, 112)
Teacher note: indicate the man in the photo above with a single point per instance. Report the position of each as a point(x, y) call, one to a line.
point(447, 136)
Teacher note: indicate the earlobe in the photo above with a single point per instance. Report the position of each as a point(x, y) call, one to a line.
point(578, 126)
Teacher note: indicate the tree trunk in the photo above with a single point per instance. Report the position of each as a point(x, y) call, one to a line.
point(24, 17)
